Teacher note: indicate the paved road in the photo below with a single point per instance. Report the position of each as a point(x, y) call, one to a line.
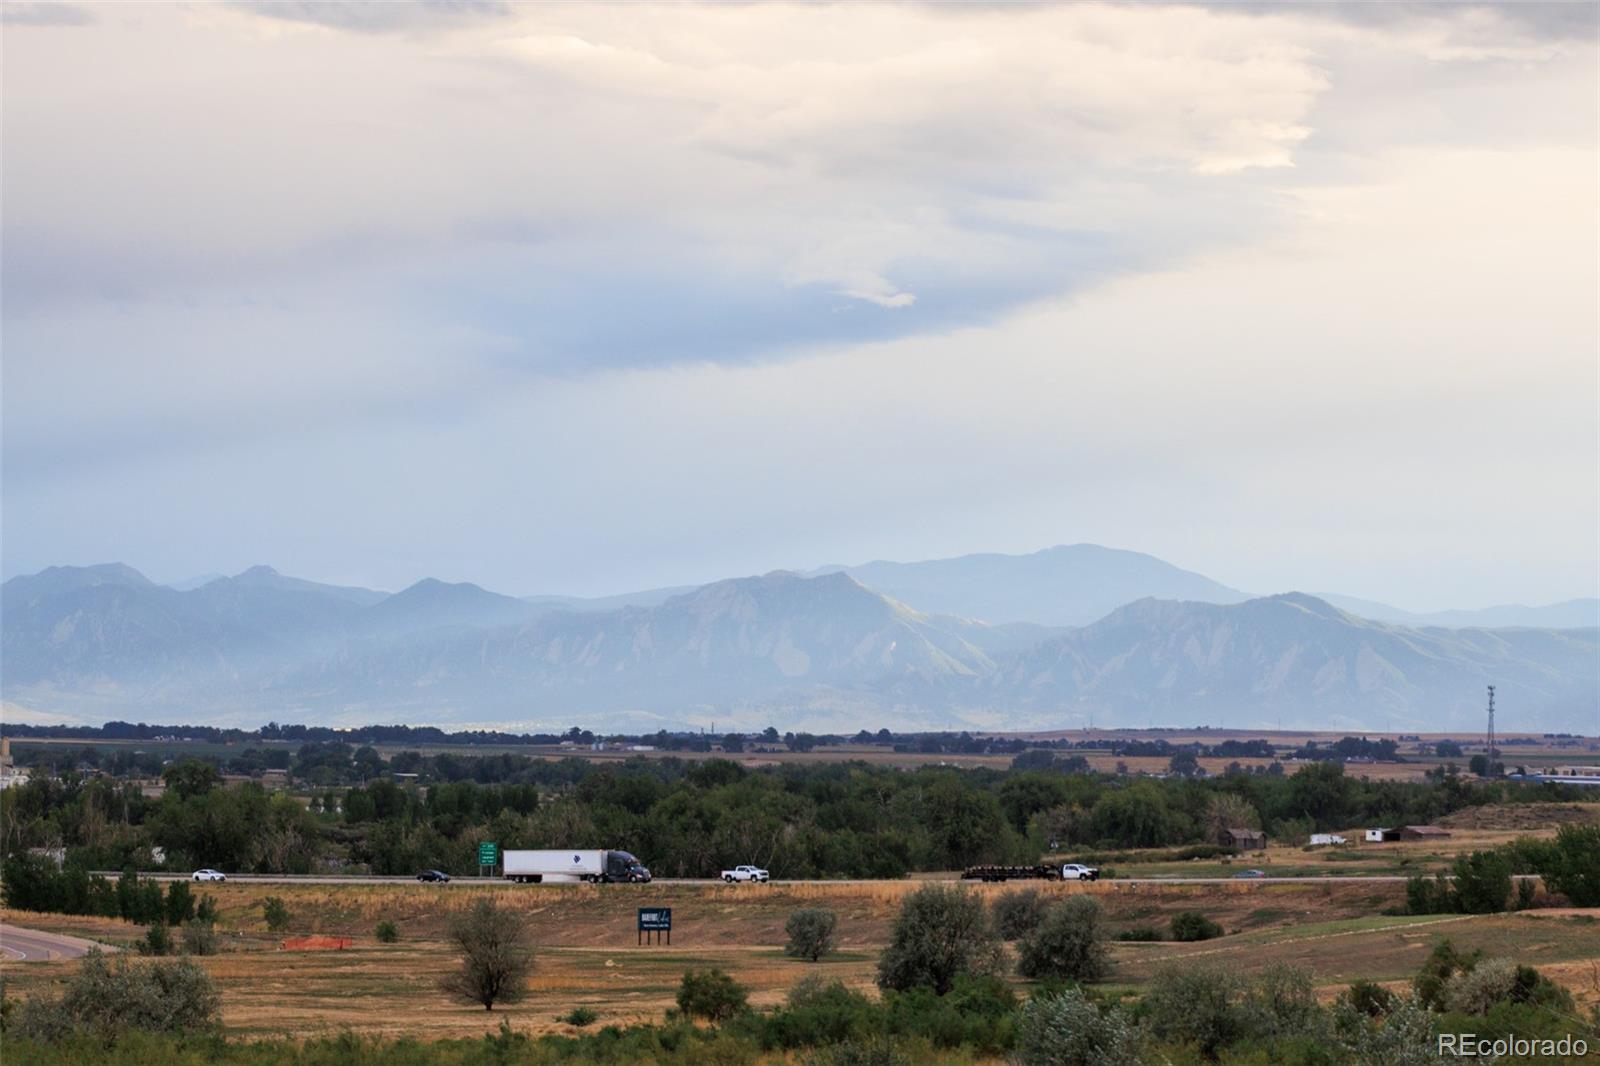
point(315, 879)
point(31, 945)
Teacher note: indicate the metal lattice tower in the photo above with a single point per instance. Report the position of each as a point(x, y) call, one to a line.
point(1492, 752)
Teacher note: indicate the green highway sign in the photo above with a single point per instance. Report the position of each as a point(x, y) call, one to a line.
point(488, 853)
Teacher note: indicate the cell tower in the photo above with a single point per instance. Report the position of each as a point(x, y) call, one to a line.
point(1492, 752)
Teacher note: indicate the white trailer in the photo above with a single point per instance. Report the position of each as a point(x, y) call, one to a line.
point(571, 866)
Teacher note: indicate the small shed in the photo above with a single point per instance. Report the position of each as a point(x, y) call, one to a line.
point(1380, 836)
point(1423, 832)
point(1246, 839)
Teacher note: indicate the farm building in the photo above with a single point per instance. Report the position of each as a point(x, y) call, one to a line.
point(1321, 839)
point(1379, 836)
point(1245, 839)
point(1423, 832)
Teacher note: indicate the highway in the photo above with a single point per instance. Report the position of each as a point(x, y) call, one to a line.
point(351, 879)
point(31, 945)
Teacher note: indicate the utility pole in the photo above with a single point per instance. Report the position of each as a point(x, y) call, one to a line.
point(1492, 751)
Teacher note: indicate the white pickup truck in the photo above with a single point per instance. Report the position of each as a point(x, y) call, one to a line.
point(745, 873)
point(1073, 871)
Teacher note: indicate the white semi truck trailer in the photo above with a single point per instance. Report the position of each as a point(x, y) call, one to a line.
point(571, 866)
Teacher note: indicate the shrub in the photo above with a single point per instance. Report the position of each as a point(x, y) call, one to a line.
point(1069, 945)
point(1068, 1030)
point(939, 934)
point(712, 995)
point(495, 956)
point(276, 912)
point(1282, 1002)
point(1195, 1004)
point(1403, 1037)
point(1525, 893)
point(1442, 964)
point(386, 932)
point(1016, 914)
point(977, 1014)
point(1370, 999)
point(1571, 866)
point(873, 1051)
point(1495, 981)
point(199, 938)
point(811, 933)
point(207, 910)
point(1191, 925)
point(104, 998)
point(1140, 934)
point(157, 940)
point(579, 1016)
point(1474, 991)
point(819, 1012)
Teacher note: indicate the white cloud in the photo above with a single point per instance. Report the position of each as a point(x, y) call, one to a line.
point(1287, 288)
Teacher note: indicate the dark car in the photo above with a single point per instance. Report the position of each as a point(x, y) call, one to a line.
point(1249, 873)
point(433, 875)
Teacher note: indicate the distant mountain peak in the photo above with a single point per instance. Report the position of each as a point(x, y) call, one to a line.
point(1306, 601)
point(432, 587)
point(256, 574)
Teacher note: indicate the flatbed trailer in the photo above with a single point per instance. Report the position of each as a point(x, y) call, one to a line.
point(1011, 873)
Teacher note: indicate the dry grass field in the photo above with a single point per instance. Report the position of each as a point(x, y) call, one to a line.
point(588, 956)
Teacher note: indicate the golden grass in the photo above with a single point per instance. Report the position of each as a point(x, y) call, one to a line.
point(588, 955)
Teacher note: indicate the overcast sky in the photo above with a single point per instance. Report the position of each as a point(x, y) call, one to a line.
point(591, 298)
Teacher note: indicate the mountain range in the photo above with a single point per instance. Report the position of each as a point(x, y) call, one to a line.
point(1049, 640)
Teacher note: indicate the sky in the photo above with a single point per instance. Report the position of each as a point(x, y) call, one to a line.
point(584, 299)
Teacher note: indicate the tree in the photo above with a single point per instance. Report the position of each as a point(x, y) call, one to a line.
point(1139, 816)
point(496, 958)
point(1571, 866)
point(811, 933)
point(939, 934)
point(965, 824)
point(191, 777)
point(1322, 793)
point(180, 903)
point(1479, 765)
point(1069, 945)
point(1228, 810)
point(1069, 1030)
point(733, 743)
point(1483, 882)
point(711, 995)
point(1183, 764)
